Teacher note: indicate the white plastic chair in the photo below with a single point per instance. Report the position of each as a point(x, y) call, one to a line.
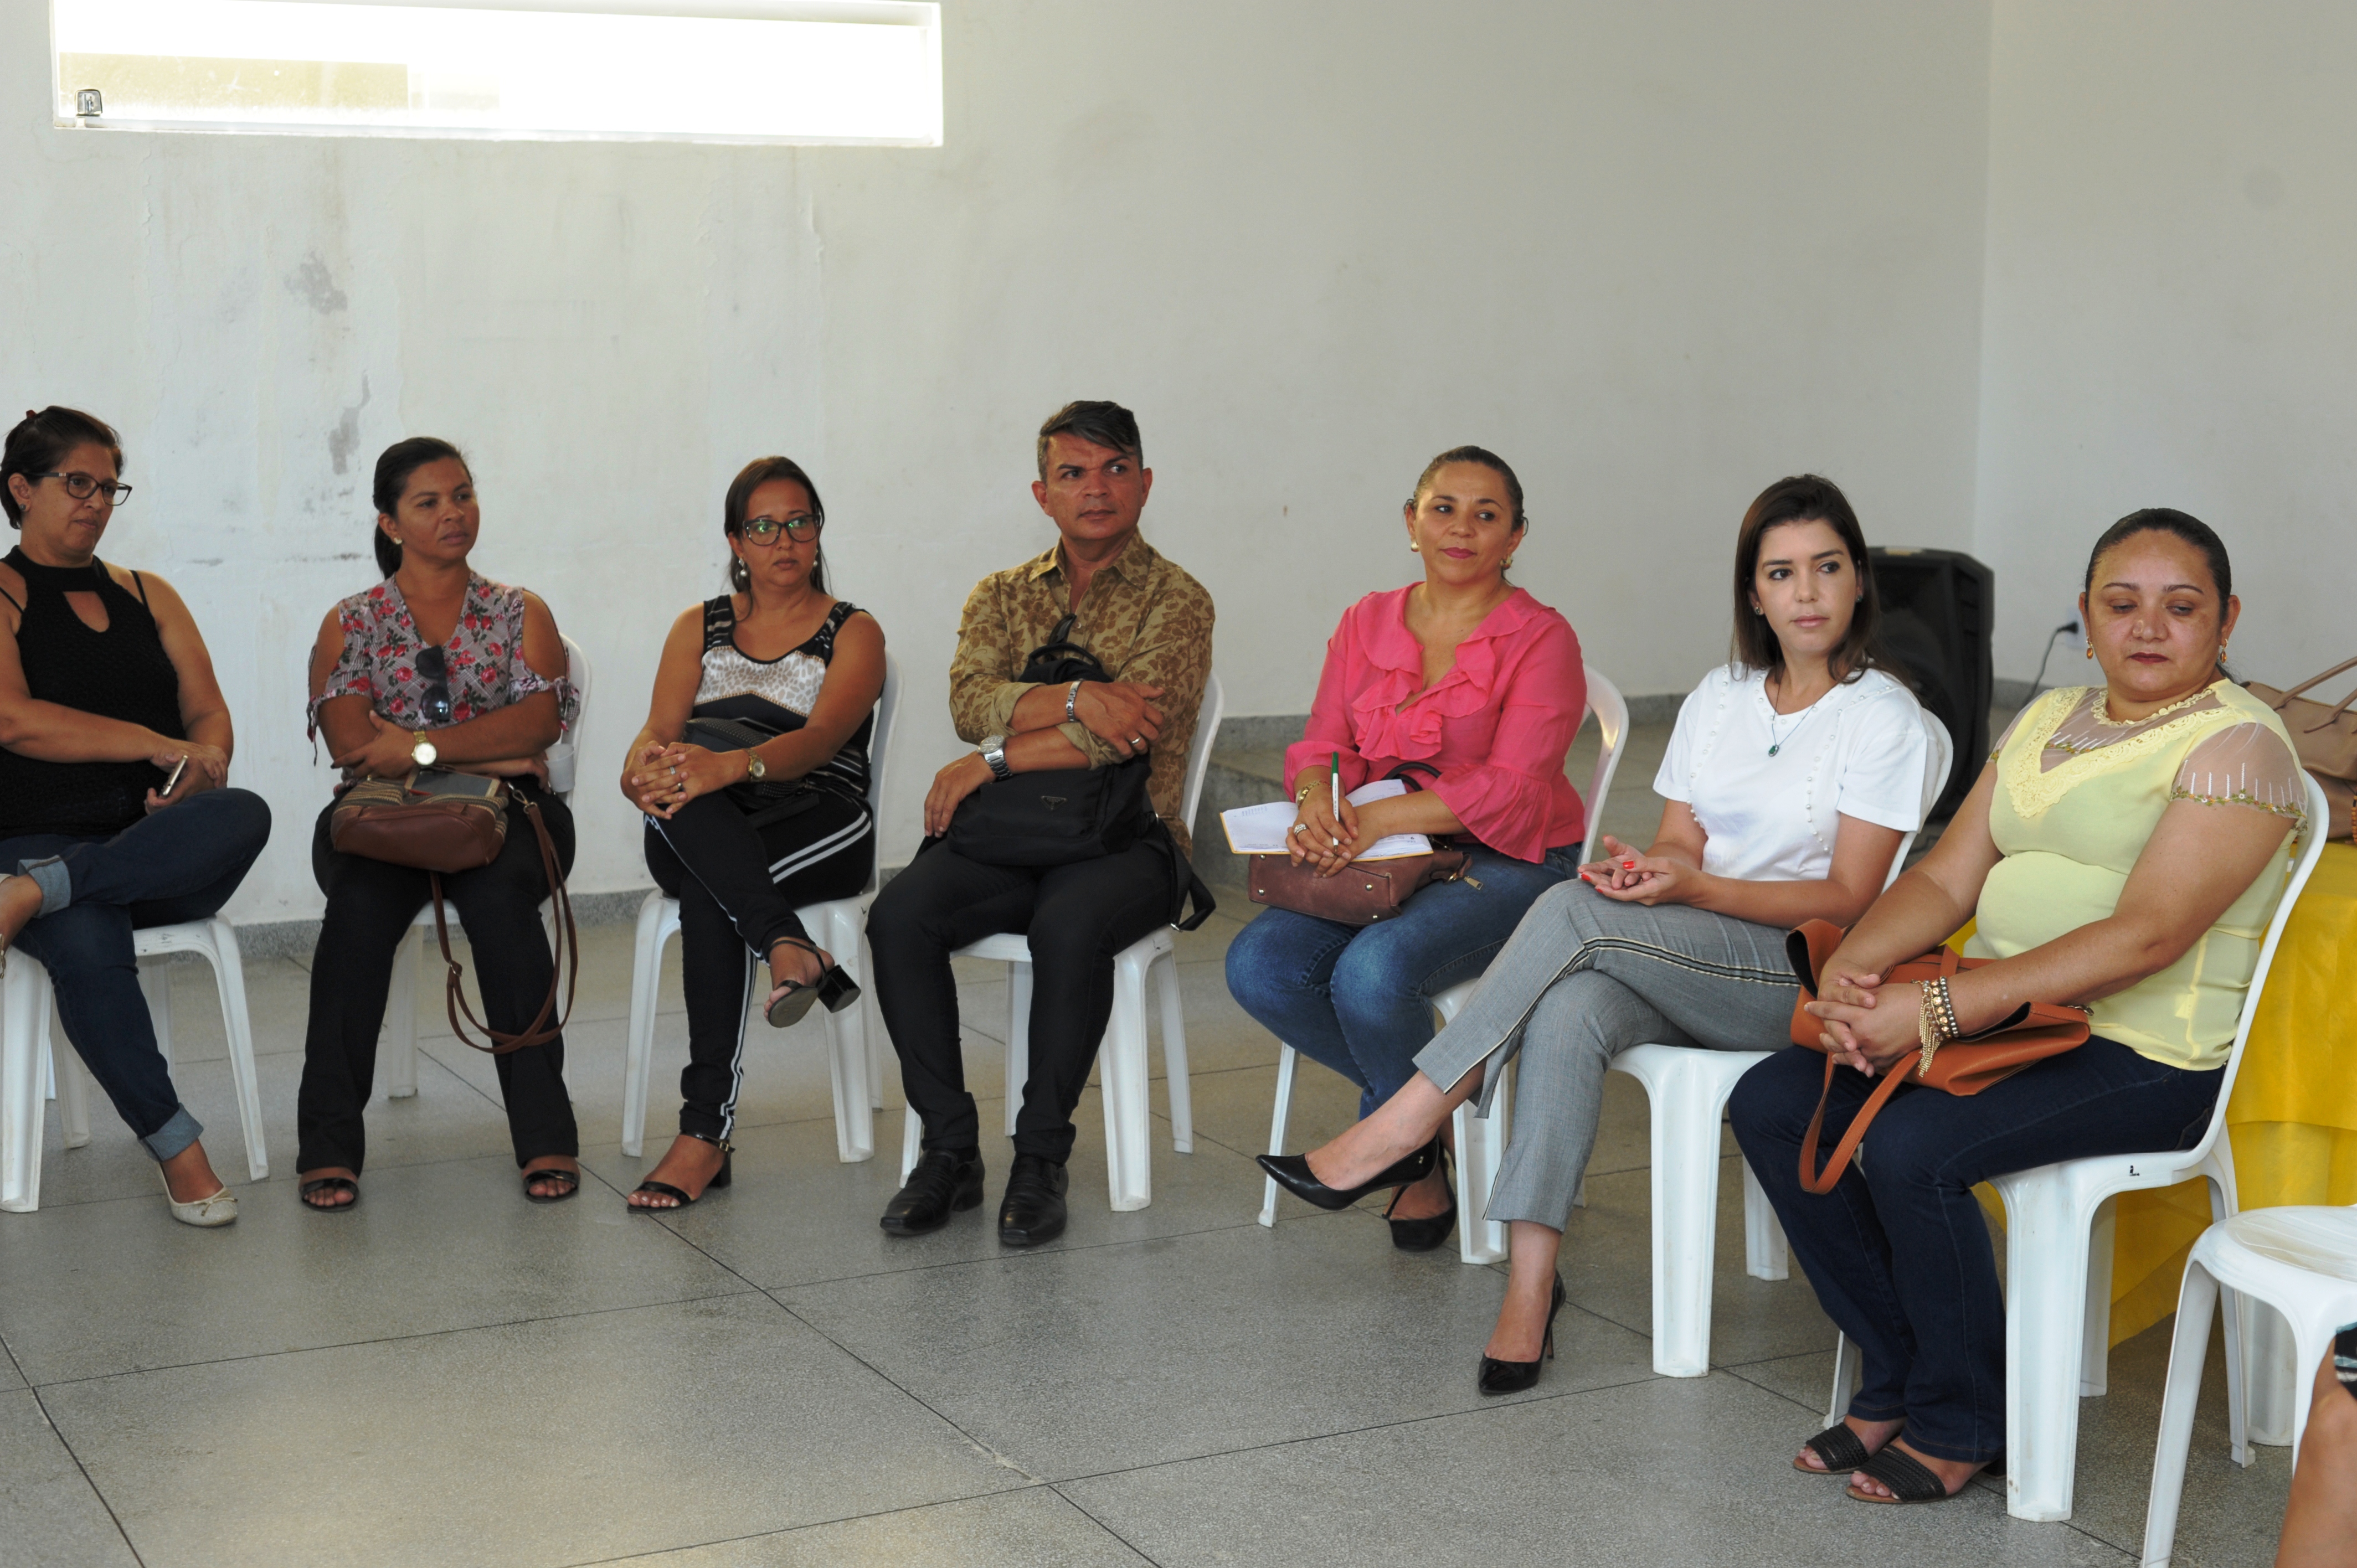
point(1480, 1141)
point(2058, 1257)
point(838, 925)
point(24, 1051)
point(2302, 1261)
point(1687, 1087)
point(1122, 1063)
point(401, 1004)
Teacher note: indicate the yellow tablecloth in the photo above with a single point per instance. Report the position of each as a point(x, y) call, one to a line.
point(2293, 1118)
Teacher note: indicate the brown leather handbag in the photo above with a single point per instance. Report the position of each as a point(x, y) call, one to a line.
point(1965, 1065)
point(1360, 892)
point(2326, 738)
point(438, 821)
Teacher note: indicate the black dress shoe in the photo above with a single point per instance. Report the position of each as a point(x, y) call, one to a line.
point(1423, 1235)
point(1292, 1172)
point(946, 1181)
point(1033, 1211)
point(1512, 1377)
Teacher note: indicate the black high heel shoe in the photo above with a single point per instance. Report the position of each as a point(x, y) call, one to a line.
point(792, 998)
point(1512, 1377)
point(1292, 1172)
point(679, 1200)
point(1423, 1235)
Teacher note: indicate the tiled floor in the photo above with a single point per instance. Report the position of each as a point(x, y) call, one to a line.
point(450, 1376)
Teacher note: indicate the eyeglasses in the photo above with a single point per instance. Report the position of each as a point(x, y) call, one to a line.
point(436, 668)
point(81, 487)
point(801, 529)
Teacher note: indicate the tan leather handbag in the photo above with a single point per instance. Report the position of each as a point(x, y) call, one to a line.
point(1966, 1064)
point(438, 821)
point(2326, 738)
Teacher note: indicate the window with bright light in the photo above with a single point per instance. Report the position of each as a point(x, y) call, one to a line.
point(856, 71)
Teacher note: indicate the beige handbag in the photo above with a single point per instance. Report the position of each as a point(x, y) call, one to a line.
point(2326, 741)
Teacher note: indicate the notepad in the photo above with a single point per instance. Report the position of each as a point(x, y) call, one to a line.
point(1261, 830)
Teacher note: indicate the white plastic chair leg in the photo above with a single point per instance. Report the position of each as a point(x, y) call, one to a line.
point(23, 1032)
point(237, 1028)
point(1848, 1365)
point(1685, 1179)
point(155, 985)
point(658, 917)
point(912, 1141)
point(1765, 1254)
point(401, 1018)
point(1481, 1150)
point(2271, 1377)
point(2045, 1336)
point(1018, 1039)
point(847, 1040)
point(1123, 1068)
point(1286, 1059)
point(2095, 1328)
point(72, 1084)
point(1173, 1054)
point(2196, 1299)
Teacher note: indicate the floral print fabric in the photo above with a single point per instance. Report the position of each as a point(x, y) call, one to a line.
point(484, 658)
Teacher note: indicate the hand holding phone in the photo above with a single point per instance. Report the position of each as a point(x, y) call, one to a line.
point(172, 780)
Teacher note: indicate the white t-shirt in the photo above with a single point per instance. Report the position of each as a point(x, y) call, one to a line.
point(1859, 750)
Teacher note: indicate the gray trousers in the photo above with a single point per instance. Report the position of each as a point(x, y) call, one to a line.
point(1583, 978)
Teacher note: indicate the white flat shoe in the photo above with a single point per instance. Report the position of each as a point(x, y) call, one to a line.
point(219, 1209)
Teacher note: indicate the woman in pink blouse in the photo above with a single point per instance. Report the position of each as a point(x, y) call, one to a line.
point(1472, 689)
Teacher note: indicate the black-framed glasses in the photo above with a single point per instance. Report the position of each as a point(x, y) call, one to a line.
point(435, 667)
point(802, 528)
point(81, 487)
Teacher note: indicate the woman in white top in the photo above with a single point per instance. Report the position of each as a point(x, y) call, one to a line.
point(1791, 778)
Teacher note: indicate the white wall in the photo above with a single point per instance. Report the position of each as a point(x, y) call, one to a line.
point(1657, 255)
point(2170, 322)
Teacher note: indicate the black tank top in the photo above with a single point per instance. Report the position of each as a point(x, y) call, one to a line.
point(121, 673)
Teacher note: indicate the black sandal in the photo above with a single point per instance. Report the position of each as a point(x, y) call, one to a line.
point(679, 1200)
point(572, 1180)
point(331, 1184)
point(792, 999)
point(1909, 1480)
point(1841, 1449)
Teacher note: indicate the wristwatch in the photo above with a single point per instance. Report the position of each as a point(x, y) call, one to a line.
point(422, 753)
point(993, 752)
point(1072, 704)
point(755, 768)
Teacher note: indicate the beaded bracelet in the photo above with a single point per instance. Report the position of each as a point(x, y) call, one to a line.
point(1935, 1024)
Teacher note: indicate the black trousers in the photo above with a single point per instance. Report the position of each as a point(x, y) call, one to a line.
point(370, 906)
point(1078, 917)
point(737, 886)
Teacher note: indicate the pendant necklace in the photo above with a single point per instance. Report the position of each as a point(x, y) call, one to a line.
point(1776, 742)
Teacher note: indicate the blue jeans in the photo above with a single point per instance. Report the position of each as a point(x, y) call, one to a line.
point(1359, 998)
point(181, 863)
point(1899, 1252)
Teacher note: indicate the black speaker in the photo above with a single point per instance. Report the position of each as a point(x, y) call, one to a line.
point(1938, 611)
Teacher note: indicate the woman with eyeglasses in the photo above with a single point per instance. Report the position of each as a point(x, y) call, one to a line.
point(114, 749)
point(752, 774)
point(436, 665)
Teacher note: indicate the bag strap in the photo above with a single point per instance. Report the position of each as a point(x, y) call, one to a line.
point(539, 1032)
point(1893, 1076)
point(2319, 680)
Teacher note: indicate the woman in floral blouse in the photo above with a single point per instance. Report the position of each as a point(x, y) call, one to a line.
point(436, 664)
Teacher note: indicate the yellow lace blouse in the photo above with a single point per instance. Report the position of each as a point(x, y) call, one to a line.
point(2079, 794)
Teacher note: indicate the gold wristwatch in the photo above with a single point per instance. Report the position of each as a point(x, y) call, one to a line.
point(755, 768)
point(422, 753)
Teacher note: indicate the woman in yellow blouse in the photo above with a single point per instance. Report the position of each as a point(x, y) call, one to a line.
point(2123, 850)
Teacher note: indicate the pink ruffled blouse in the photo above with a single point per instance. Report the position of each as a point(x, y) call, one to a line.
point(1498, 726)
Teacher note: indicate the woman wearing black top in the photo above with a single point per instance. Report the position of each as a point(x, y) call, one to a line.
point(806, 668)
point(106, 694)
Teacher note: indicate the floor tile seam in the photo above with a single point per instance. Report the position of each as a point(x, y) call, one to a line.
point(813, 1524)
point(1083, 1509)
point(87, 1478)
point(1487, 1408)
point(402, 1339)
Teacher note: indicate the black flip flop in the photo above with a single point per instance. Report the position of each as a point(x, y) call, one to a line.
point(1842, 1450)
point(329, 1184)
point(573, 1179)
point(1909, 1480)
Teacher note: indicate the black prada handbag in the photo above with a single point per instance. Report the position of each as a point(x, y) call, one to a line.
point(1055, 818)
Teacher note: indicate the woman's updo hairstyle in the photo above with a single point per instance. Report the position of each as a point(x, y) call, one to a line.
point(41, 442)
point(2177, 524)
point(402, 459)
point(756, 474)
point(1487, 459)
point(1806, 497)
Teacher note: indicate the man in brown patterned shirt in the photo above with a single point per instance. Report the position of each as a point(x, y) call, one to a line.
point(1149, 623)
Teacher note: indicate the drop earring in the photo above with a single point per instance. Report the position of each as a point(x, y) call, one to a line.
point(2091, 650)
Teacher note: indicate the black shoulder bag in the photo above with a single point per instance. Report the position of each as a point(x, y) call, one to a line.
point(763, 802)
point(1066, 815)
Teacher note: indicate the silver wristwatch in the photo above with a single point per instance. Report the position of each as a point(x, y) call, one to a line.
point(993, 752)
point(1072, 704)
